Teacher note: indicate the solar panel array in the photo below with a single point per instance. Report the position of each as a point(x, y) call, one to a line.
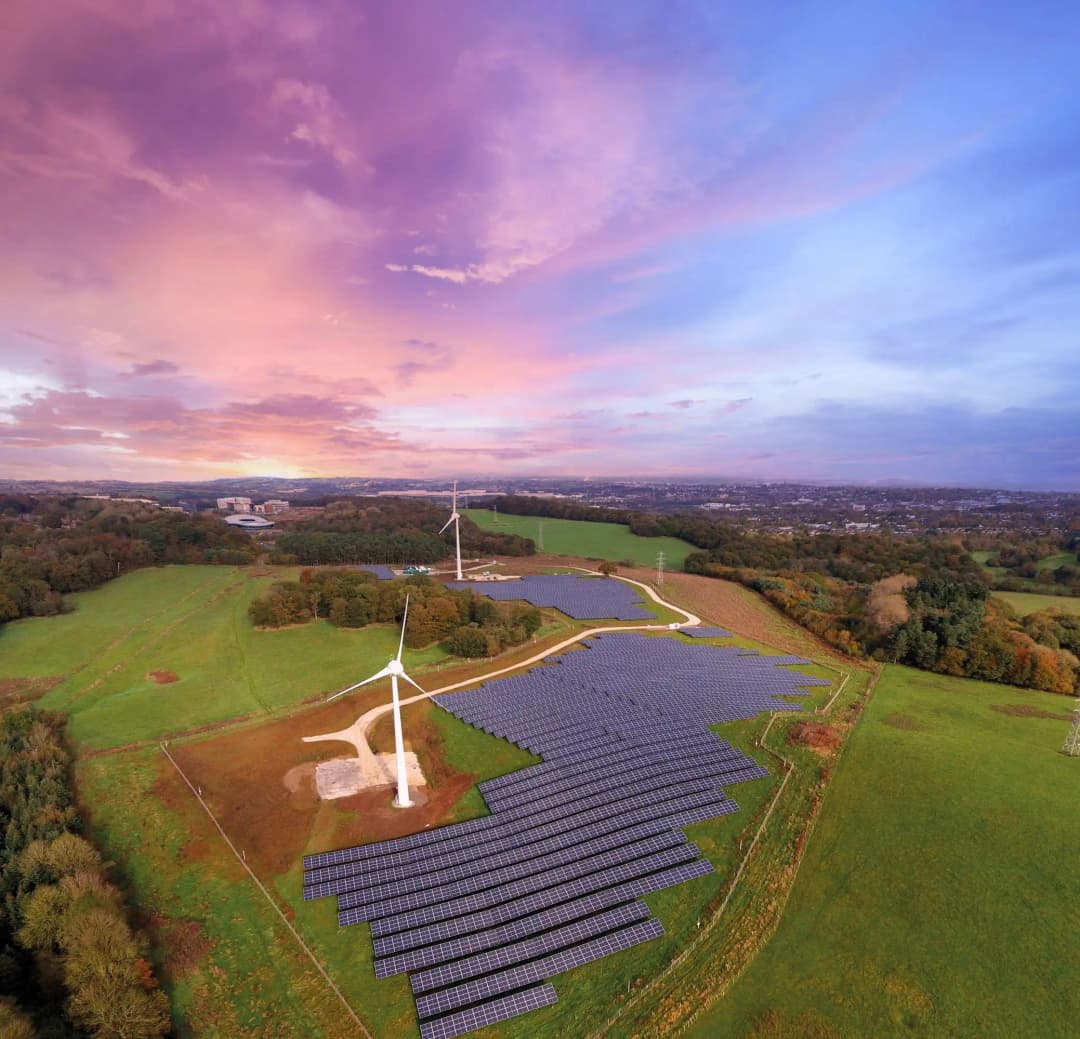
point(482, 913)
point(383, 573)
point(706, 633)
point(583, 598)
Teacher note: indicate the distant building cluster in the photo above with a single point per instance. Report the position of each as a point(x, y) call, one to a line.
point(271, 505)
point(248, 521)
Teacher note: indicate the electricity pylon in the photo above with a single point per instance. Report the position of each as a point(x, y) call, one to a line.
point(1072, 740)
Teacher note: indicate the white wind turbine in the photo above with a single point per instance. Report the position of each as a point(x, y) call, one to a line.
point(395, 670)
point(455, 518)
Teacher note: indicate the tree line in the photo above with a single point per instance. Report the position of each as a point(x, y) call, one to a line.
point(385, 530)
point(70, 962)
point(921, 601)
point(466, 625)
point(53, 546)
point(1025, 562)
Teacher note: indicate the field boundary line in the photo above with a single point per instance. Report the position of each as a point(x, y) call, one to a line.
point(269, 898)
point(703, 932)
point(807, 834)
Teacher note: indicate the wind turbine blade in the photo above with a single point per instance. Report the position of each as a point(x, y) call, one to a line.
point(413, 684)
point(367, 681)
point(447, 524)
point(453, 508)
point(404, 621)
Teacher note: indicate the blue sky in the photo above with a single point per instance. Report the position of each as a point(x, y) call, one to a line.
point(813, 241)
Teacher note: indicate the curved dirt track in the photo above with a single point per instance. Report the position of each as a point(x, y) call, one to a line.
point(356, 734)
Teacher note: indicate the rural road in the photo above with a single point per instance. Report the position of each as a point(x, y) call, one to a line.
point(356, 734)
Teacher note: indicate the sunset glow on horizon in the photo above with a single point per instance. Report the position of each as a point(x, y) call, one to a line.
point(825, 241)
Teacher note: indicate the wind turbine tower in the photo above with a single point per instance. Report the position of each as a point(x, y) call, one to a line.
point(395, 670)
point(455, 518)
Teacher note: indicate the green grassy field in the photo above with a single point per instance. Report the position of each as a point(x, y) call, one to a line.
point(252, 978)
point(1029, 602)
point(937, 897)
point(191, 620)
point(612, 541)
point(1037, 592)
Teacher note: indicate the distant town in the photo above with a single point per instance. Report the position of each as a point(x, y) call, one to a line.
point(254, 502)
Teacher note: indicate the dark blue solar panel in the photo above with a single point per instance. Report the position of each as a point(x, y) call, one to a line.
point(488, 1013)
point(514, 977)
point(584, 598)
point(529, 948)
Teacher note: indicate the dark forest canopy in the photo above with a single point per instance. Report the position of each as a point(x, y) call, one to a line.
point(386, 530)
point(52, 546)
point(70, 962)
point(467, 625)
point(917, 600)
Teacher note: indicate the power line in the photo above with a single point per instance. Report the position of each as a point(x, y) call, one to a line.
point(540, 537)
point(659, 568)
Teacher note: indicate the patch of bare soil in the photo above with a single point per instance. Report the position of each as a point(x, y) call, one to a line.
point(259, 782)
point(299, 776)
point(184, 943)
point(817, 736)
point(163, 677)
point(22, 690)
point(196, 850)
point(1021, 710)
point(906, 722)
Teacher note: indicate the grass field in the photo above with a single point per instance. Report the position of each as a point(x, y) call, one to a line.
point(612, 541)
point(192, 621)
point(1037, 592)
point(1029, 602)
point(937, 896)
point(230, 966)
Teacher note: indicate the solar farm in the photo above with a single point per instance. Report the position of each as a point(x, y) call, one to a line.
point(719, 948)
point(481, 914)
point(583, 598)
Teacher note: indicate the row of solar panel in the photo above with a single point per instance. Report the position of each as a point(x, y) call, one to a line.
point(502, 885)
point(646, 695)
point(471, 877)
point(582, 598)
point(515, 977)
point(617, 816)
point(490, 1013)
point(528, 948)
point(429, 950)
point(550, 891)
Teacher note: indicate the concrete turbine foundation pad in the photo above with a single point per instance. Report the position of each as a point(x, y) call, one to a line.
point(343, 777)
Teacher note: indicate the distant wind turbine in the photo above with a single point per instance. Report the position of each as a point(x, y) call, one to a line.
point(395, 670)
point(455, 518)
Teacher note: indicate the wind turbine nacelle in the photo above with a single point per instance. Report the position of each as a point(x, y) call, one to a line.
point(395, 667)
